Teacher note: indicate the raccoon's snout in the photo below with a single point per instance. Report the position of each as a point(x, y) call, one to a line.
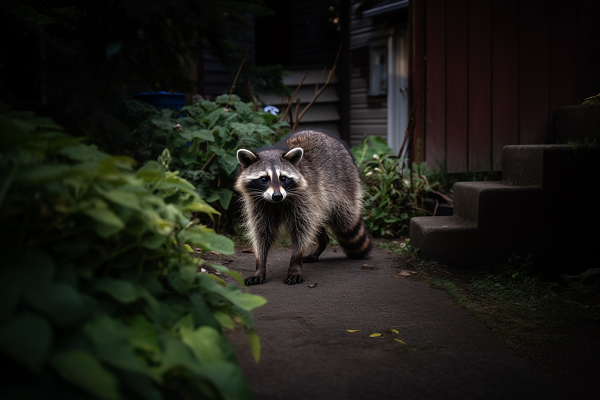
point(277, 197)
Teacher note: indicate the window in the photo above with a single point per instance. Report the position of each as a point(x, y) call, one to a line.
point(378, 69)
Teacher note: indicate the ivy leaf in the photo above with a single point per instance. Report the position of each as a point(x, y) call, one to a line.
point(85, 371)
point(27, 339)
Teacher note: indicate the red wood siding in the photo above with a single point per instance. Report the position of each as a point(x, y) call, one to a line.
point(489, 73)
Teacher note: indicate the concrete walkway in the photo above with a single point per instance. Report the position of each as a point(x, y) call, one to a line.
point(308, 353)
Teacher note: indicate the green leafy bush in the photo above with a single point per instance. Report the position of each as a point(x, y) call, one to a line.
point(203, 144)
point(99, 297)
point(391, 197)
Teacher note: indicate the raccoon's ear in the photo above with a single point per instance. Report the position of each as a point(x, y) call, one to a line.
point(246, 157)
point(294, 155)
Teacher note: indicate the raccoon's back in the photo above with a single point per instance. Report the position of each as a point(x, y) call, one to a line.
point(327, 162)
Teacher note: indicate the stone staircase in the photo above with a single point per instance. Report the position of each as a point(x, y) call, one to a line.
point(546, 204)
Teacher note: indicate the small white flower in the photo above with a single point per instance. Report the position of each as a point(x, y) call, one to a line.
point(375, 156)
point(178, 127)
point(369, 173)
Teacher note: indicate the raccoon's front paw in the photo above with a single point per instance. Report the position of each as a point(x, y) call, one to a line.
point(293, 279)
point(254, 280)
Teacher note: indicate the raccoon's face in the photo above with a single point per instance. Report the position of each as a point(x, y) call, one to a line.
point(269, 174)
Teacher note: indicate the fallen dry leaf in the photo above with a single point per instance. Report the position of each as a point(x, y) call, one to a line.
point(374, 334)
point(395, 331)
point(313, 285)
point(367, 266)
point(353, 330)
point(248, 250)
point(398, 340)
point(217, 253)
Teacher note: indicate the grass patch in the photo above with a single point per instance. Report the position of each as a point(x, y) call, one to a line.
point(524, 308)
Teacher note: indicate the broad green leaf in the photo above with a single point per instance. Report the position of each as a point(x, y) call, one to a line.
point(176, 355)
point(234, 274)
point(175, 182)
point(112, 345)
point(254, 344)
point(217, 279)
point(202, 134)
point(225, 196)
point(120, 290)
point(151, 171)
point(207, 239)
point(27, 339)
point(245, 301)
point(213, 117)
point(60, 301)
point(175, 279)
point(188, 248)
point(199, 207)
point(105, 216)
point(122, 198)
point(187, 157)
point(228, 378)
point(142, 335)
point(84, 371)
point(204, 342)
point(224, 319)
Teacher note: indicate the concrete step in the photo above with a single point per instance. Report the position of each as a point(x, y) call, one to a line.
point(536, 208)
point(487, 204)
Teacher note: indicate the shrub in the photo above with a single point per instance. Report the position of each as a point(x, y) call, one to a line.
point(203, 144)
point(391, 197)
point(99, 295)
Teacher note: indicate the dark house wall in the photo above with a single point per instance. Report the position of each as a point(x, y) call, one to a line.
point(492, 73)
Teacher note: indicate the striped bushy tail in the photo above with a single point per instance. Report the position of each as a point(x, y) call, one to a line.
point(356, 241)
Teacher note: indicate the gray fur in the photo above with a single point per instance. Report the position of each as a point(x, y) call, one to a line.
point(328, 193)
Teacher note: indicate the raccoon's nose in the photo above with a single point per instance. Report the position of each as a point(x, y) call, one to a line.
point(277, 196)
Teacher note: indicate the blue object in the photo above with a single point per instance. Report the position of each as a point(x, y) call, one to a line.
point(162, 100)
point(271, 109)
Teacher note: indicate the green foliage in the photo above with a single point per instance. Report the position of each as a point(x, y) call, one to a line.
point(391, 197)
point(203, 145)
point(98, 296)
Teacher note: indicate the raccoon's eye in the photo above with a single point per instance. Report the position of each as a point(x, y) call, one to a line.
point(283, 178)
point(264, 179)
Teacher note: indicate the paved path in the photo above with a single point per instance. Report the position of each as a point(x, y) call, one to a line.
point(307, 352)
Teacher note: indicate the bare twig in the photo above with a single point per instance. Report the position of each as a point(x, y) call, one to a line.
point(251, 96)
point(410, 128)
point(296, 114)
point(320, 90)
point(238, 74)
point(210, 160)
point(292, 98)
point(319, 80)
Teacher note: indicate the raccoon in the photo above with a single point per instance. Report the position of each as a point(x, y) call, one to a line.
point(309, 182)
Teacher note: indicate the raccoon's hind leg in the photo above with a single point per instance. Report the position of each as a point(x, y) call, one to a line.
point(355, 241)
point(322, 240)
